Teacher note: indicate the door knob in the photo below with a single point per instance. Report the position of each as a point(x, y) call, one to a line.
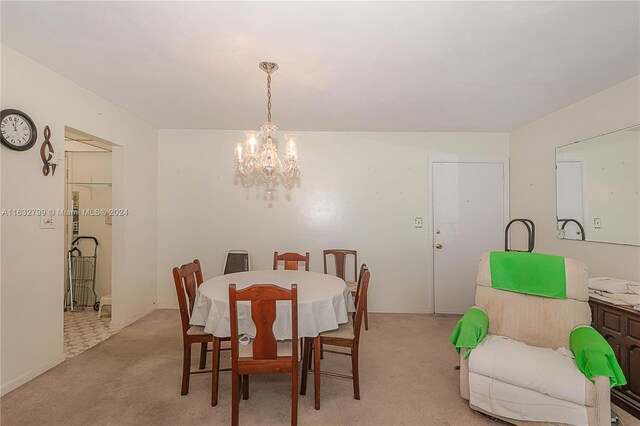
point(439, 246)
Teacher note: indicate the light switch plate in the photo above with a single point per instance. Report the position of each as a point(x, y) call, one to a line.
point(418, 222)
point(48, 221)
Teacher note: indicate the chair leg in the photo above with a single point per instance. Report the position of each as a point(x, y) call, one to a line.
point(294, 395)
point(306, 355)
point(235, 398)
point(356, 375)
point(186, 368)
point(245, 387)
point(203, 355)
point(316, 369)
point(215, 370)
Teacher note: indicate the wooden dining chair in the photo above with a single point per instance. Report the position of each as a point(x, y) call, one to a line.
point(356, 298)
point(263, 354)
point(340, 258)
point(346, 336)
point(187, 279)
point(290, 260)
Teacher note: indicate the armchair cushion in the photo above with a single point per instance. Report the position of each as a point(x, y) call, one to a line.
point(546, 371)
point(594, 356)
point(508, 401)
point(470, 330)
point(536, 321)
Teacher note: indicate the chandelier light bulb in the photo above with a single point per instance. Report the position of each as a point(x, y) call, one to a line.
point(292, 148)
point(252, 142)
point(238, 151)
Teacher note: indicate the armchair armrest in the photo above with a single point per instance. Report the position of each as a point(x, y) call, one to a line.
point(594, 356)
point(470, 330)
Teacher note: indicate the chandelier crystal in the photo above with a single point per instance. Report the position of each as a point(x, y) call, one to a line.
point(256, 158)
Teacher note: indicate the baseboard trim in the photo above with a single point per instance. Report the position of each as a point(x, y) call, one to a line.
point(168, 306)
point(30, 375)
point(131, 320)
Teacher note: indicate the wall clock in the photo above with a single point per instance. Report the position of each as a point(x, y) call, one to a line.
point(18, 130)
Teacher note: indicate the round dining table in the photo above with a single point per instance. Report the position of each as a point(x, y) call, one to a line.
point(324, 302)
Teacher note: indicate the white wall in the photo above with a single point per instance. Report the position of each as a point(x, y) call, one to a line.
point(533, 188)
point(31, 264)
point(358, 190)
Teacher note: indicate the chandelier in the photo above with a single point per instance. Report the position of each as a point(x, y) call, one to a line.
point(256, 158)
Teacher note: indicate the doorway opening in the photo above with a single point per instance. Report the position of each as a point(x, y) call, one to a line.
point(87, 255)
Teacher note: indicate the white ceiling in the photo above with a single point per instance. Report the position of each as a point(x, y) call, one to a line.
point(357, 66)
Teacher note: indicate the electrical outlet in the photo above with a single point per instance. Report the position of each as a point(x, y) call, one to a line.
point(48, 221)
point(597, 224)
point(418, 222)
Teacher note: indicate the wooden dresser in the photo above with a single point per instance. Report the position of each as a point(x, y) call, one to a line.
point(621, 327)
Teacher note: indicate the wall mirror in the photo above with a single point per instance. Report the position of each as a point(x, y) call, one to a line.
point(597, 187)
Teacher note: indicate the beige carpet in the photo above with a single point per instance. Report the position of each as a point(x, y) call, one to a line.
point(133, 378)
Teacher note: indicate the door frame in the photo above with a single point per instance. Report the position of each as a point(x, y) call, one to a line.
point(117, 225)
point(431, 286)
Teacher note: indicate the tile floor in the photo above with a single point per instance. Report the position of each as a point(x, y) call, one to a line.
point(83, 330)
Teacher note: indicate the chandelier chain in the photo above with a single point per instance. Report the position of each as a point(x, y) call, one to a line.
point(268, 97)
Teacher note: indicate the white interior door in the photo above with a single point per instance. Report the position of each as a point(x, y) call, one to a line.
point(468, 220)
point(569, 195)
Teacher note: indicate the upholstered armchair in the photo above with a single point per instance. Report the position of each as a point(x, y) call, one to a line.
point(522, 371)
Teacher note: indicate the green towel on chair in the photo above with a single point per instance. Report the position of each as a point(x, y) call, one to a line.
point(594, 356)
point(529, 273)
point(470, 330)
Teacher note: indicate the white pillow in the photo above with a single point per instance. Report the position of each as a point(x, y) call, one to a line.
point(610, 285)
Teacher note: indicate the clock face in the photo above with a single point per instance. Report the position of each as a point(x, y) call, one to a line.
point(17, 130)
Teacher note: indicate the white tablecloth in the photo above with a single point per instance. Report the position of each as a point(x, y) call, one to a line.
point(324, 302)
